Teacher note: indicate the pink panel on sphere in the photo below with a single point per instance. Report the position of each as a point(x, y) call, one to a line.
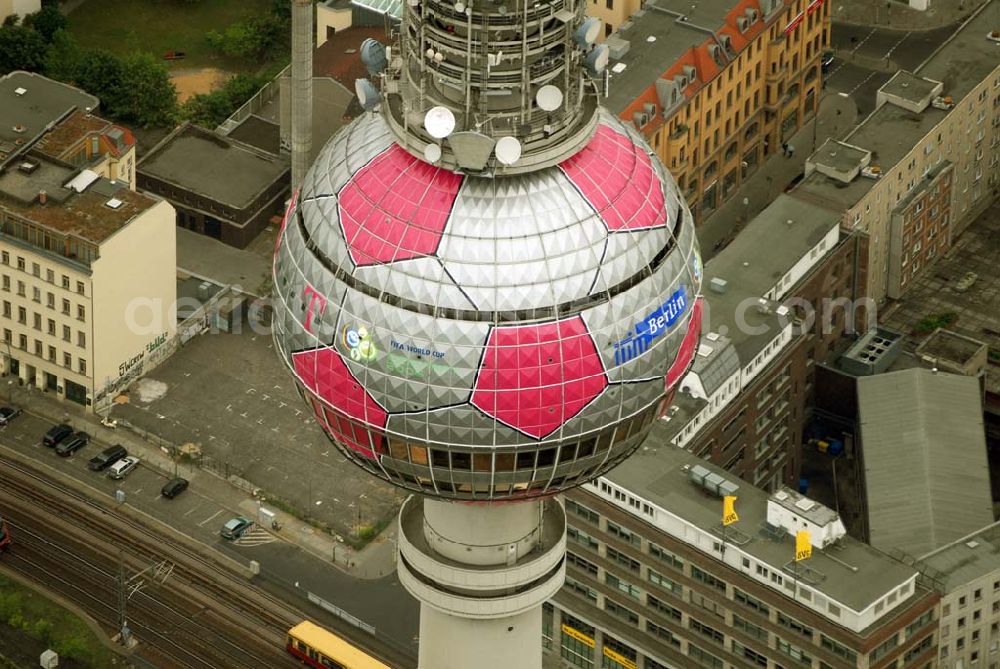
point(324, 373)
point(688, 347)
point(618, 180)
point(396, 207)
point(536, 377)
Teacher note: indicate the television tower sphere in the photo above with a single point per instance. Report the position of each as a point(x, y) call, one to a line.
point(508, 321)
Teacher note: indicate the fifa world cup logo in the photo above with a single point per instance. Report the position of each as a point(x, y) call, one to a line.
point(359, 343)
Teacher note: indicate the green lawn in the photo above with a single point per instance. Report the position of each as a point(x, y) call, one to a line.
point(24, 612)
point(158, 26)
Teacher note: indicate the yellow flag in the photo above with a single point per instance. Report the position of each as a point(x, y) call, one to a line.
point(803, 546)
point(729, 510)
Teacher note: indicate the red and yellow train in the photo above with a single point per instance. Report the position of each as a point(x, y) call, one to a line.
point(316, 647)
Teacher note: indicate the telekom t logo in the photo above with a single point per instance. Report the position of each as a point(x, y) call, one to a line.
point(315, 305)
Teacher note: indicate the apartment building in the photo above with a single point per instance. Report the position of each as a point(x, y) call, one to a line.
point(968, 575)
point(88, 270)
point(716, 86)
point(654, 580)
point(913, 175)
point(768, 317)
point(85, 140)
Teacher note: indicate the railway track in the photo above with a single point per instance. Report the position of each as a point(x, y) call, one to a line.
point(203, 616)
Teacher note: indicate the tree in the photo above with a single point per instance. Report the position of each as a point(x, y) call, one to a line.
point(99, 73)
point(211, 109)
point(21, 48)
point(63, 59)
point(47, 21)
point(247, 39)
point(144, 95)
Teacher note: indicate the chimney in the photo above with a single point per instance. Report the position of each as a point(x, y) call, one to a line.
point(301, 89)
point(43, 197)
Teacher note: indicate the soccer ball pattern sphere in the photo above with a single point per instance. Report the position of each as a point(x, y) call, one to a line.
point(487, 338)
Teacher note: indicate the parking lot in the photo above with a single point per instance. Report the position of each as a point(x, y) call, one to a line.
point(231, 396)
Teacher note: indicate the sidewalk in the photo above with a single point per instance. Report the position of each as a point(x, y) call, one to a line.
point(898, 16)
point(374, 561)
point(836, 116)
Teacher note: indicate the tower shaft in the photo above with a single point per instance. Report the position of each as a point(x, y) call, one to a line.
point(481, 573)
point(302, 74)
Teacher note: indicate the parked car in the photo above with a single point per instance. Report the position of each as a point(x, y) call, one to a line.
point(174, 487)
point(236, 528)
point(123, 467)
point(72, 443)
point(827, 61)
point(107, 457)
point(56, 435)
point(7, 414)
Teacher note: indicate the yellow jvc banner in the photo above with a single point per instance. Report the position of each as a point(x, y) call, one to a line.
point(729, 510)
point(803, 545)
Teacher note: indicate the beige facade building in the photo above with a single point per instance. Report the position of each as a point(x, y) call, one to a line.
point(20, 7)
point(967, 573)
point(923, 165)
point(84, 140)
point(88, 270)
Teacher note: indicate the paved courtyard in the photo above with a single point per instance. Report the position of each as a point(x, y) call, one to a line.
point(230, 395)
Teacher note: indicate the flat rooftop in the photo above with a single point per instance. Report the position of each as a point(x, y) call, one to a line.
point(967, 559)
point(839, 156)
point(770, 245)
point(909, 86)
point(197, 160)
point(950, 346)
point(43, 101)
point(891, 132)
point(658, 475)
point(85, 215)
point(646, 61)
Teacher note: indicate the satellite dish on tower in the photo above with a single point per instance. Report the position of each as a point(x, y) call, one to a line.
point(597, 59)
point(373, 55)
point(368, 95)
point(508, 150)
point(588, 32)
point(459, 7)
point(549, 97)
point(432, 153)
point(439, 122)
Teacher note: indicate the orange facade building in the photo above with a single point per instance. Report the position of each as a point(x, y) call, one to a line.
point(716, 87)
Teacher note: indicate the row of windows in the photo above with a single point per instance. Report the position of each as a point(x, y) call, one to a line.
point(36, 270)
point(50, 298)
point(51, 325)
point(40, 350)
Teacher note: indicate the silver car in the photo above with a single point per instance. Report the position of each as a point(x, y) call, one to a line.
point(123, 467)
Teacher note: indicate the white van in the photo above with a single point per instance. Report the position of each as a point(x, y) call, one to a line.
point(123, 467)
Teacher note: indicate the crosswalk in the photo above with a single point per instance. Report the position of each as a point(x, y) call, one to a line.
point(256, 536)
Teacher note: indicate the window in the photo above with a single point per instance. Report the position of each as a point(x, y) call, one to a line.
point(20, 288)
point(5, 258)
point(6, 309)
point(36, 269)
point(666, 556)
point(793, 651)
point(751, 602)
point(707, 579)
point(919, 649)
point(79, 287)
point(36, 294)
point(65, 282)
point(918, 623)
point(81, 312)
point(618, 531)
point(67, 360)
point(663, 607)
point(750, 629)
point(50, 300)
point(838, 649)
point(37, 321)
point(583, 512)
point(794, 625)
point(20, 263)
point(710, 632)
point(576, 535)
point(581, 589)
point(51, 327)
point(626, 652)
point(744, 652)
point(66, 333)
point(703, 658)
point(6, 283)
point(623, 560)
point(623, 586)
point(65, 307)
point(664, 582)
point(663, 633)
point(884, 649)
point(620, 611)
point(22, 315)
point(50, 276)
point(580, 563)
point(83, 366)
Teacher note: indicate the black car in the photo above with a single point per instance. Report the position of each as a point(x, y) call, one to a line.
point(56, 435)
point(73, 443)
point(7, 414)
point(174, 487)
point(107, 457)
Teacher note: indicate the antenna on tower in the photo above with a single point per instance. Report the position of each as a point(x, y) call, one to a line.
point(439, 122)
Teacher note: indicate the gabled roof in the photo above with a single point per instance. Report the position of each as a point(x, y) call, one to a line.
point(926, 473)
